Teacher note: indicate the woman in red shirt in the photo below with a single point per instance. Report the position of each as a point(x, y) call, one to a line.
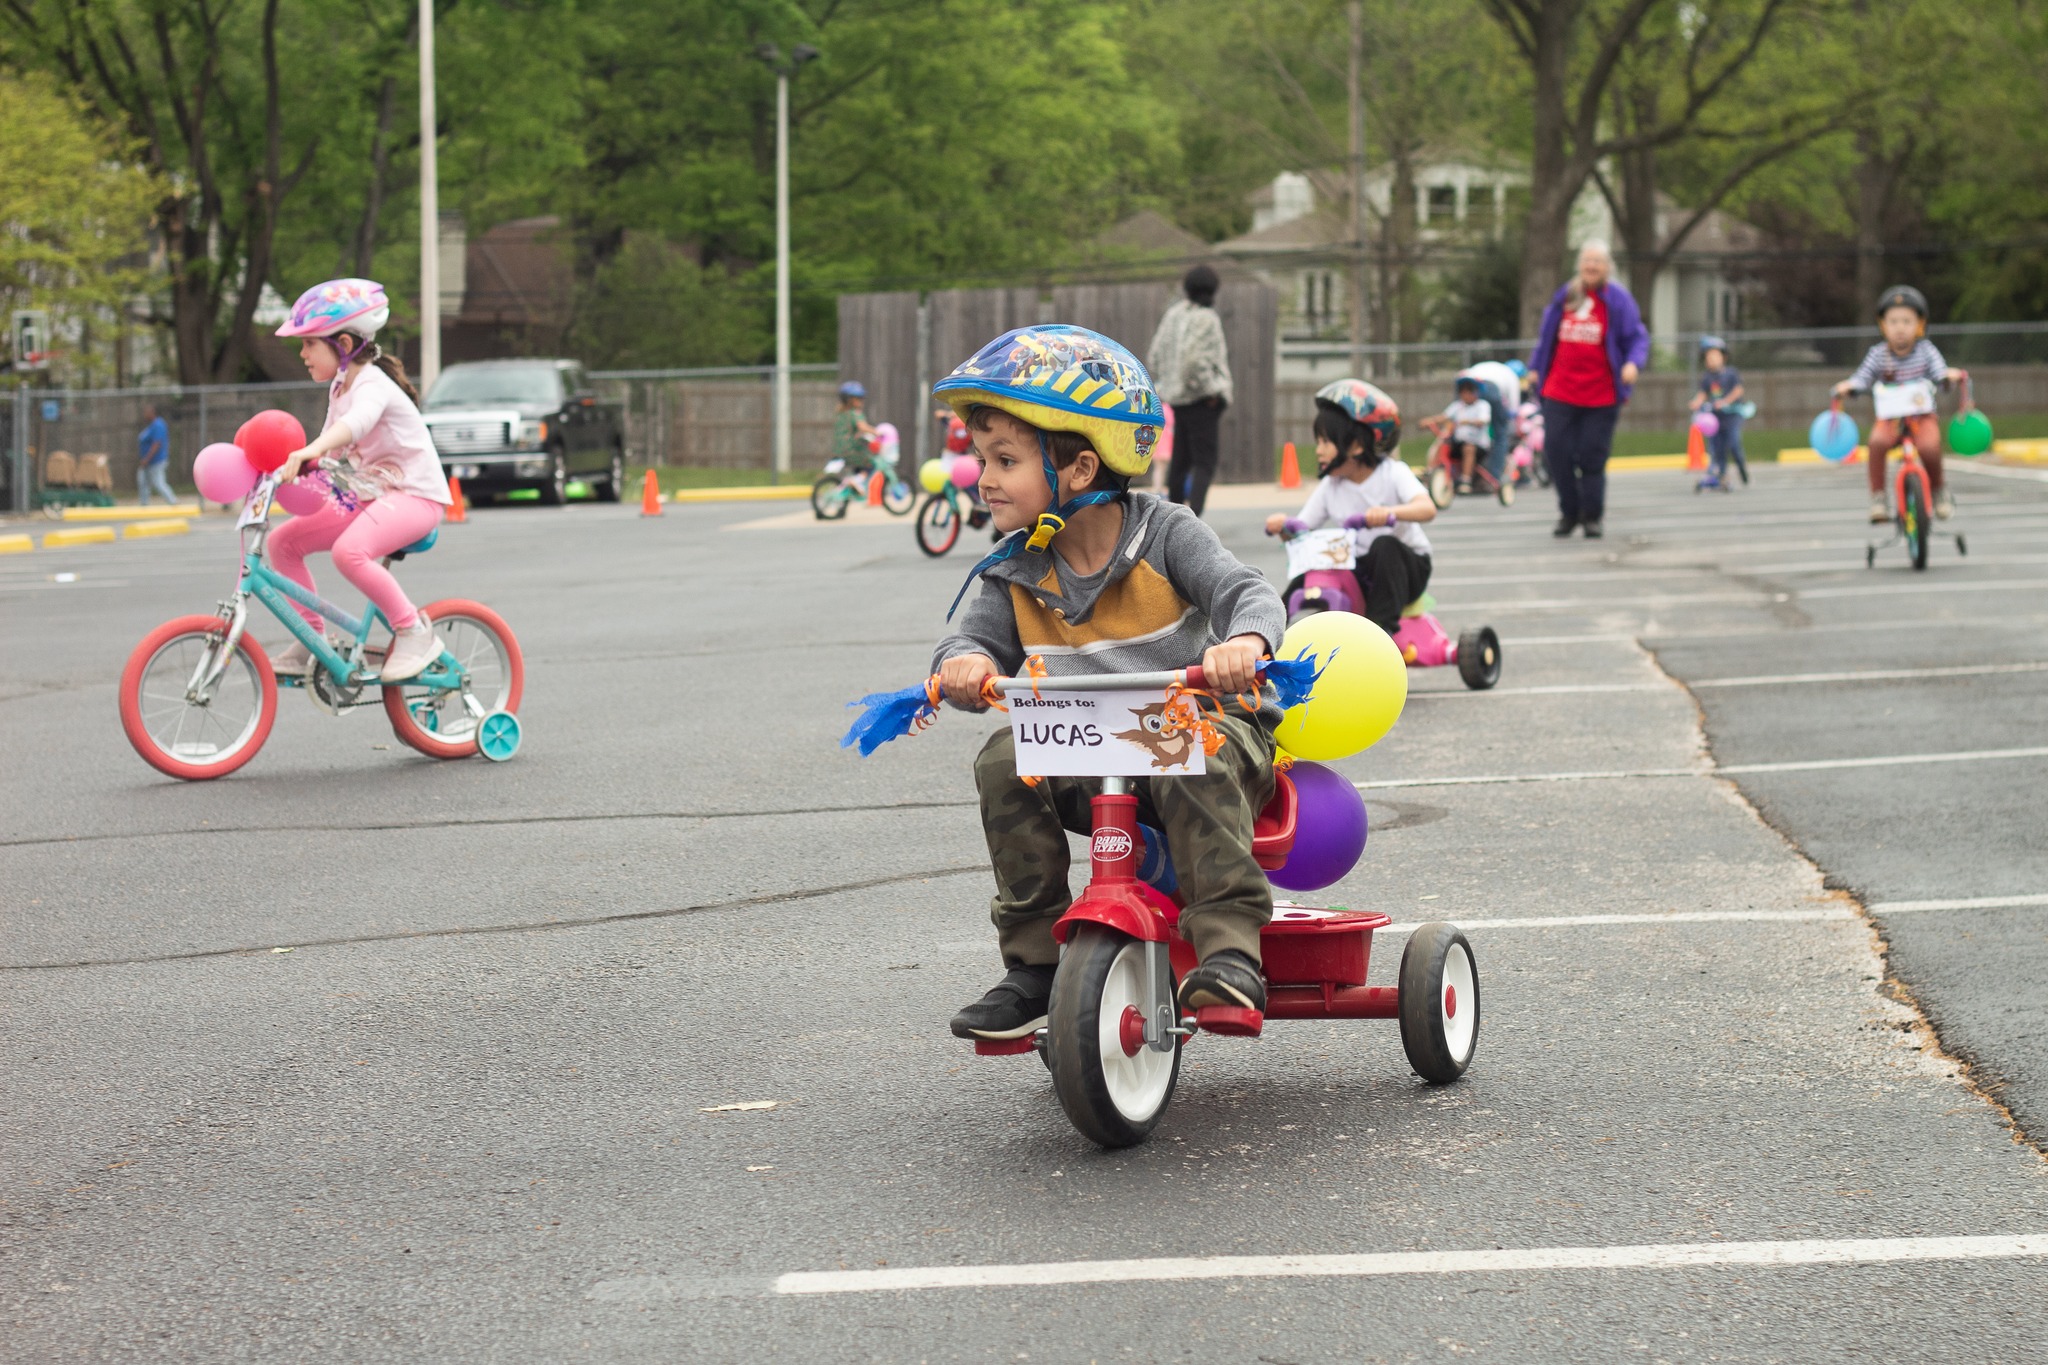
point(1590, 347)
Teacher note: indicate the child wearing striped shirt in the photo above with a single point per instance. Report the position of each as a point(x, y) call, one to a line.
point(1905, 355)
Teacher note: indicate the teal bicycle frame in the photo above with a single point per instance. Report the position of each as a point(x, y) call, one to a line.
point(278, 593)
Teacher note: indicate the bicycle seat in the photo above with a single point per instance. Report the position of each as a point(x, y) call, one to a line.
point(420, 546)
point(1273, 829)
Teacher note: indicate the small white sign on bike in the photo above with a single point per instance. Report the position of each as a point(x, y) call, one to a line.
point(256, 510)
point(1329, 548)
point(1101, 734)
point(1913, 398)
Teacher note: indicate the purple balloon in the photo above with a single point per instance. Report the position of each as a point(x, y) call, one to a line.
point(1706, 422)
point(1329, 831)
point(303, 496)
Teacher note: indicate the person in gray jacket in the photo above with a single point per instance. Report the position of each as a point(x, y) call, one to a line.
point(1191, 366)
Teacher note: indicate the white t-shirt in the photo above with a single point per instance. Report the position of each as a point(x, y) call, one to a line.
point(1337, 499)
point(1471, 422)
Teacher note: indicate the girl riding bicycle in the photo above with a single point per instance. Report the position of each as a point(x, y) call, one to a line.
point(387, 489)
point(1904, 358)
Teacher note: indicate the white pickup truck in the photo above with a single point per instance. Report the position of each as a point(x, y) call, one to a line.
point(500, 425)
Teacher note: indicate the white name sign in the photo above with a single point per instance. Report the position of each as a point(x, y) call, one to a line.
point(1329, 548)
point(1910, 399)
point(1100, 734)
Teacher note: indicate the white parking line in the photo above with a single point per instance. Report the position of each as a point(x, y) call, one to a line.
point(1667, 917)
point(1969, 903)
point(1872, 674)
point(1760, 598)
point(1666, 1256)
point(1724, 770)
point(1752, 680)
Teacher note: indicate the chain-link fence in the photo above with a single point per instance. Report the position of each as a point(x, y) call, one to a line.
point(724, 418)
point(100, 428)
point(1966, 344)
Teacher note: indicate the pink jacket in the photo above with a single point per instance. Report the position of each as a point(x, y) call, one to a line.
point(389, 439)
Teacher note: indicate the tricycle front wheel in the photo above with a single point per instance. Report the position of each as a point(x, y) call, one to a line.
point(1113, 1092)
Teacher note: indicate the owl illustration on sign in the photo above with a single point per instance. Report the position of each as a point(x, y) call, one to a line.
point(1166, 750)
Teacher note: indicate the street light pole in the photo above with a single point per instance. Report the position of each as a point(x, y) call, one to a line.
point(782, 422)
point(430, 210)
point(772, 55)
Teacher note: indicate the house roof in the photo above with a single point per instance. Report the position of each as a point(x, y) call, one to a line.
point(519, 274)
point(1151, 233)
point(1321, 230)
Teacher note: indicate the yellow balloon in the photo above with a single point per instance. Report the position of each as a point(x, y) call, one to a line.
point(934, 475)
point(1360, 694)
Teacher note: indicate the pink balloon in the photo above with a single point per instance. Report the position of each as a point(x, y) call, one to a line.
point(1705, 422)
point(966, 471)
point(303, 496)
point(223, 473)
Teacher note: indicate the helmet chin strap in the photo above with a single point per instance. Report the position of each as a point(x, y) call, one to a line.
point(1050, 523)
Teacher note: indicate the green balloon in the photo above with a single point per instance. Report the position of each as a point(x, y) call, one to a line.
point(1969, 433)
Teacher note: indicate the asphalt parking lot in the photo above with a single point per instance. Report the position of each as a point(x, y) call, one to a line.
point(358, 1056)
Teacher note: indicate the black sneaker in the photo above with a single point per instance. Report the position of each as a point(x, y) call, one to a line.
point(1227, 978)
point(1565, 526)
point(1593, 530)
point(1014, 1007)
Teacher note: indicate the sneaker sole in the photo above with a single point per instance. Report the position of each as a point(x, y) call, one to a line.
point(1002, 1035)
point(1220, 993)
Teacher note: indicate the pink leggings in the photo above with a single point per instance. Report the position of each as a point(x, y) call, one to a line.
point(358, 539)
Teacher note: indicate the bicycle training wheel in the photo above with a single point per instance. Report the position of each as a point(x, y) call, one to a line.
point(438, 721)
point(898, 497)
point(197, 740)
point(1913, 523)
point(826, 502)
point(938, 525)
point(1113, 1087)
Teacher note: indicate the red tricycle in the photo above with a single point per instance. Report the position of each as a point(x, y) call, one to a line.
point(1113, 1034)
point(1319, 572)
point(1113, 1038)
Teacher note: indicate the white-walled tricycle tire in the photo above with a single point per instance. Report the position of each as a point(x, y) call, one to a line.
point(1439, 1003)
point(1114, 1096)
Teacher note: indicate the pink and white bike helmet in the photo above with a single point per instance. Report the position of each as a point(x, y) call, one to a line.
point(357, 307)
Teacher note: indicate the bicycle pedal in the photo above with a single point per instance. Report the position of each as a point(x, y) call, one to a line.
point(1230, 1020)
point(1003, 1047)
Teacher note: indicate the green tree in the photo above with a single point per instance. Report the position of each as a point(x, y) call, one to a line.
point(74, 213)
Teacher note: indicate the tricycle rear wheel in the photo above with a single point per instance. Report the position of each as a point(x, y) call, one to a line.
point(1439, 1002)
point(1479, 658)
point(1113, 1096)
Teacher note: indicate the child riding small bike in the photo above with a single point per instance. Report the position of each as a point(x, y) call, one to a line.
point(1363, 488)
point(1469, 424)
point(1093, 578)
point(1720, 393)
point(1902, 372)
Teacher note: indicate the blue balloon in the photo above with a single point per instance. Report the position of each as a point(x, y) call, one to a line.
point(1834, 436)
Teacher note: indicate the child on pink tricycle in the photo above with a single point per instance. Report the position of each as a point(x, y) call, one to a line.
point(1377, 499)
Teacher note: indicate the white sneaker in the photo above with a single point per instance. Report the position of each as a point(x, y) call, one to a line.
point(411, 651)
point(1944, 505)
point(1880, 510)
point(295, 662)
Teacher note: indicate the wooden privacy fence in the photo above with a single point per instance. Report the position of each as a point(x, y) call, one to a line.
point(898, 346)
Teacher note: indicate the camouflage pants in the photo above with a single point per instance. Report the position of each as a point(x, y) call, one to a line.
point(1208, 824)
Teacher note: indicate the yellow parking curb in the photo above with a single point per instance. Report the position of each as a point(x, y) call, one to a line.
point(775, 493)
point(2033, 450)
point(1627, 462)
point(159, 512)
point(146, 529)
point(16, 545)
point(1808, 455)
point(78, 535)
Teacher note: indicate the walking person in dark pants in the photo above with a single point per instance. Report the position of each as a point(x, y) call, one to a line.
point(1590, 347)
point(1191, 365)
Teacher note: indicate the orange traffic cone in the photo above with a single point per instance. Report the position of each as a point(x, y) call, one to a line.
point(458, 510)
point(1290, 467)
point(650, 496)
point(1695, 449)
point(877, 481)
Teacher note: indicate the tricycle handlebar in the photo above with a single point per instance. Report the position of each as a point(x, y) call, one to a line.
point(1190, 677)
